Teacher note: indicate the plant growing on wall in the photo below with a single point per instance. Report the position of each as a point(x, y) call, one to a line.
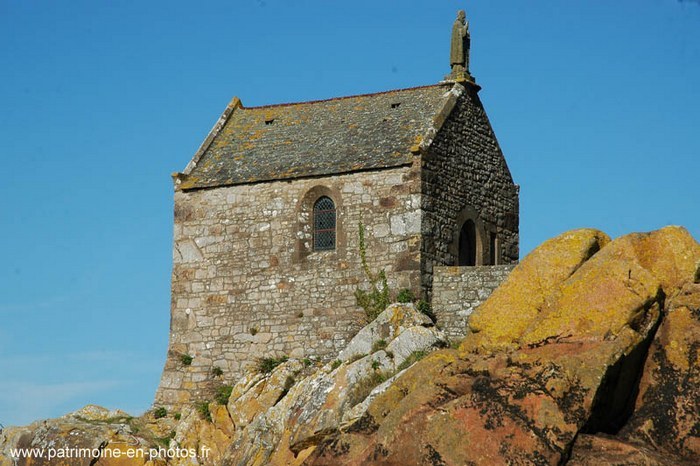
point(186, 359)
point(378, 297)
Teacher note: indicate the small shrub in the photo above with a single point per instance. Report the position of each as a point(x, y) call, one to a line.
point(412, 359)
point(378, 345)
point(160, 412)
point(165, 441)
point(217, 371)
point(336, 364)
point(307, 362)
point(390, 355)
point(253, 331)
point(186, 359)
point(223, 393)
point(405, 296)
point(375, 364)
point(267, 365)
point(377, 298)
point(300, 315)
point(424, 307)
point(177, 416)
point(203, 410)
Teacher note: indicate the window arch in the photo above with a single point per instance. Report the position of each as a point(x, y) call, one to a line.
point(324, 224)
point(305, 241)
point(469, 245)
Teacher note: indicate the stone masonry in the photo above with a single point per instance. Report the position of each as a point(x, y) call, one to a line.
point(458, 291)
point(242, 290)
point(465, 176)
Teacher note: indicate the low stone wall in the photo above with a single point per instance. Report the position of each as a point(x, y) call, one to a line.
point(458, 291)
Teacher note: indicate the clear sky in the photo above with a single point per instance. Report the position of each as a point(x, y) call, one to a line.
point(596, 105)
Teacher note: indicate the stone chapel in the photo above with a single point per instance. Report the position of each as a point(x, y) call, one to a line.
point(268, 211)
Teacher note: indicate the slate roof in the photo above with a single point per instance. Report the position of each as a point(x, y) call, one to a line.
point(318, 138)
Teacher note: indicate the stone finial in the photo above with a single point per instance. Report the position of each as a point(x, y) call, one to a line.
point(459, 49)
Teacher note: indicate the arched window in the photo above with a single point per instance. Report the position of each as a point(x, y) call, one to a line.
point(324, 224)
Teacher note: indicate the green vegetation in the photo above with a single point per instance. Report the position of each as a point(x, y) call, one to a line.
point(267, 365)
point(424, 307)
point(375, 364)
point(203, 410)
point(378, 345)
point(177, 416)
point(412, 359)
point(160, 412)
point(165, 441)
point(307, 362)
point(135, 425)
point(217, 371)
point(186, 359)
point(253, 331)
point(405, 296)
point(378, 297)
point(336, 364)
point(223, 393)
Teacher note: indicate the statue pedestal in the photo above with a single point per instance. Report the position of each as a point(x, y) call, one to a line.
point(460, 77)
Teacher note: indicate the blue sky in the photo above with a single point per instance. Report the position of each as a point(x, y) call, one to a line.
point(595, 104)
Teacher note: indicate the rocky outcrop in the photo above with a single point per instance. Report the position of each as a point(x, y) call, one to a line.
point(92, 436)
point(556, 352)
point(596, 450)
point(667, 411)
point(314, 408)
point(587, 354)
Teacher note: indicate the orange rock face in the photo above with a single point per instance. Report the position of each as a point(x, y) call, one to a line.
point(593, 450)
point(667, 412)
point(556, 352)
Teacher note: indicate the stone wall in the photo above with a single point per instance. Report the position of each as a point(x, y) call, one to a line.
point(247, 284)
point(458, 291)
point(465, 176)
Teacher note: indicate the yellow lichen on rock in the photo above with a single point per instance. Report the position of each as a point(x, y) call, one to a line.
point(618, 287)
point(670, 253)
point(502, 319)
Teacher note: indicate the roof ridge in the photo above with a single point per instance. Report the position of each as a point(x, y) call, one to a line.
point(370, 94)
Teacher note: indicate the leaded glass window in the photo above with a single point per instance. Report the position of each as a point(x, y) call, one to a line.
point(324, 224)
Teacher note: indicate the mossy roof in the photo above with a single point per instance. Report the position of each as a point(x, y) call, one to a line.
point(317, 138)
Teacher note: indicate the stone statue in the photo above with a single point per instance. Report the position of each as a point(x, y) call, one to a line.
point(459, 49)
